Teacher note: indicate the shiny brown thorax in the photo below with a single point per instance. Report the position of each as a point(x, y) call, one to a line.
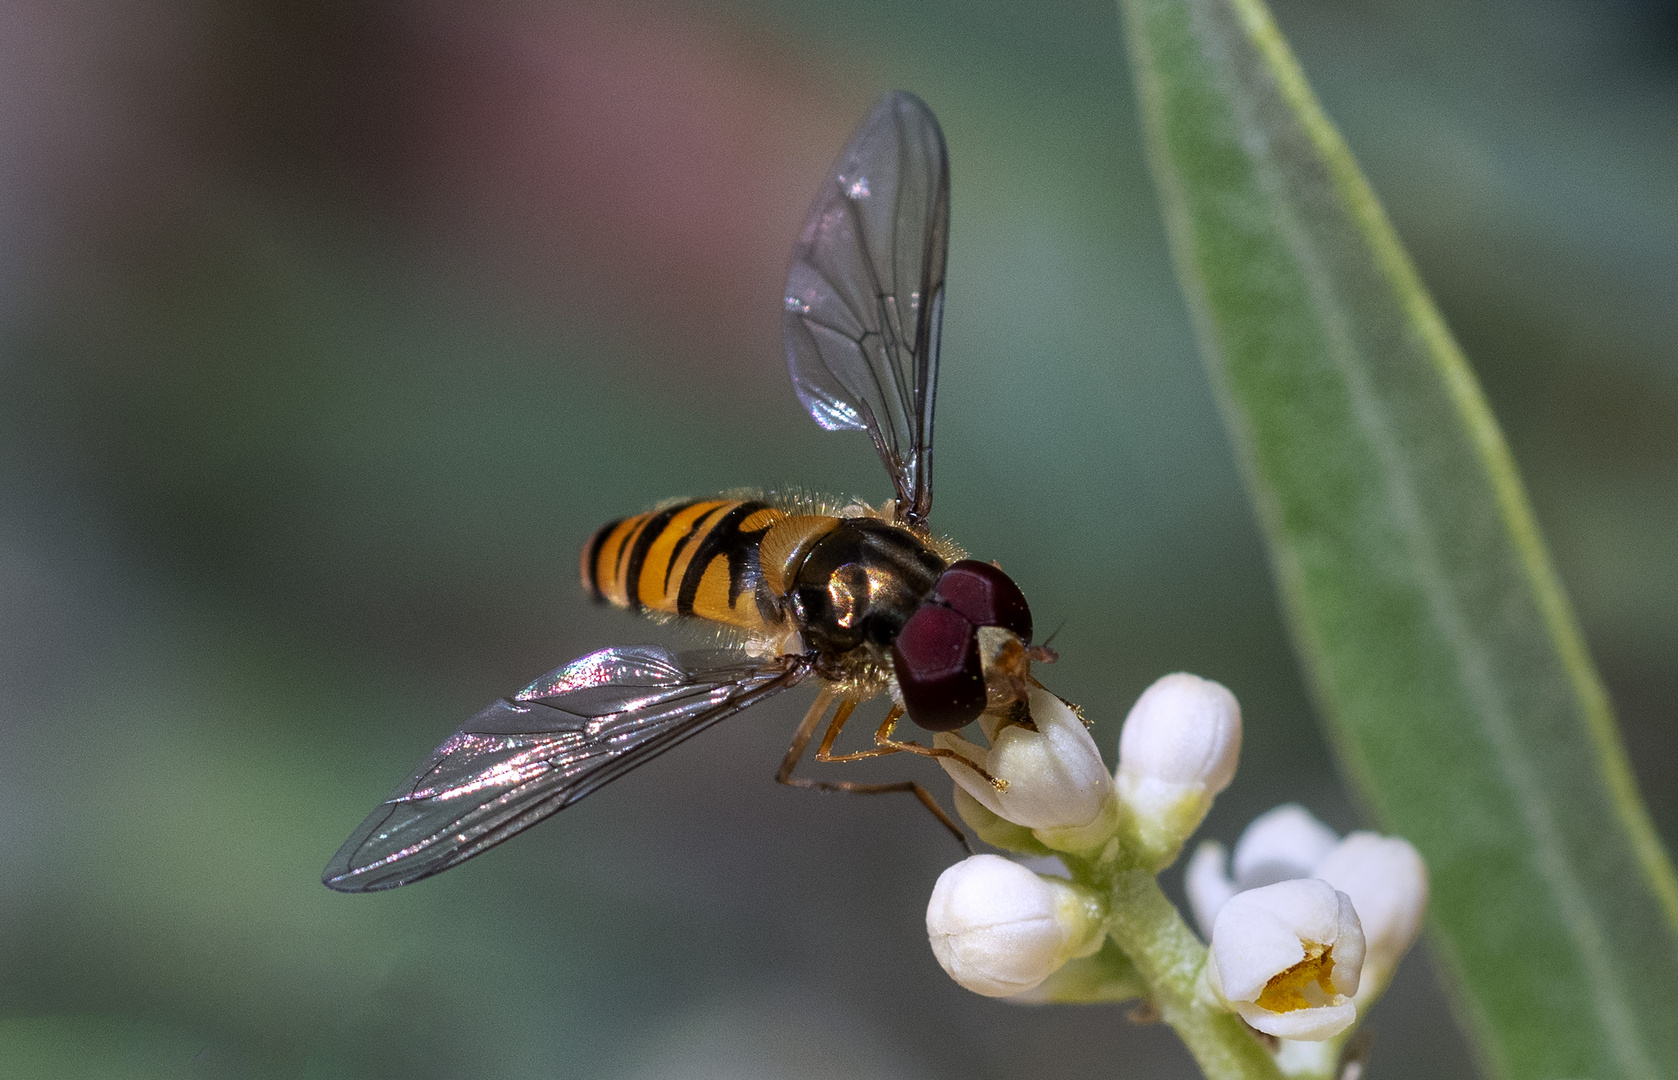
point(858, 583)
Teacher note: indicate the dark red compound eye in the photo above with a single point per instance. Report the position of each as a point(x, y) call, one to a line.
point(936, 657)
point(985, 596)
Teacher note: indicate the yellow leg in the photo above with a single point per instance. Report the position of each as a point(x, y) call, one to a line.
point(889, 745)
point(801, 741)
point(824, 752)
point(885, 744)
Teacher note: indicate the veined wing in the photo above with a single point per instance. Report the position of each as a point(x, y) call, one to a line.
point(865, 295)
point(537, 752)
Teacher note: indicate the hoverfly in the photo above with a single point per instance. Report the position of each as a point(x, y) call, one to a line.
point(862, 600)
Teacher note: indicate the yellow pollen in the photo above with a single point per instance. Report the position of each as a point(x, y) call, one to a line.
point(1285, 992)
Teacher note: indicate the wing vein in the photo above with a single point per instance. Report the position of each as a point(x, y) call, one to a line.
point(878, 227)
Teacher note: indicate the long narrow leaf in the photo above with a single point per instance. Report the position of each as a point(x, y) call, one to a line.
point(1448, 668)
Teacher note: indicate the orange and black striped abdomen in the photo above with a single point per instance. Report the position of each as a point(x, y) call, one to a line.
point(695, 558)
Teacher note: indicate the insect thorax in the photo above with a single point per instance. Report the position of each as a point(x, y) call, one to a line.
point(858, 584)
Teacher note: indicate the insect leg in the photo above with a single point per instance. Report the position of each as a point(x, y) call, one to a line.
point(889, 745)
point(801, 741)
point(801, 737)
point(824, 752)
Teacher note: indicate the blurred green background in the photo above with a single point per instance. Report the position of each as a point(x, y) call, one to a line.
point(331, 330)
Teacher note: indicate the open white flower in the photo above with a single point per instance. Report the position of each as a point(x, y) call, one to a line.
point(999, 929)
point(1177, 751)
point(1387, 881)
point(1053, 777)
point(1287, 958)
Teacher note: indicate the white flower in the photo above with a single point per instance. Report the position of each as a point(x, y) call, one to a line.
point(1054, 776)
point(1208, 884)
point(1387, 881)
point(1384, 876)
point(999, 929)
point(1177, 751)
point(1286, 957)
point(1280, 844)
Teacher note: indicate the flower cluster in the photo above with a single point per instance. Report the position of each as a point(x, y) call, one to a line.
point(1383, 877)
point(1304, 928)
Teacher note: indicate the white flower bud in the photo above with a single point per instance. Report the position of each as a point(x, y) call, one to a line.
point(1280, 844)
point(1387, 881)
point(999, 929)
point(1054, 776)
point(1177, 751)
point(1287, 957)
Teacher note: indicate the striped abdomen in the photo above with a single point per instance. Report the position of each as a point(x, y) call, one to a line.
point(692, 558)
point(841, 583)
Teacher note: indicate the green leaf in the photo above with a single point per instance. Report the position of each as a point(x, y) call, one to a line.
point(1453, 680)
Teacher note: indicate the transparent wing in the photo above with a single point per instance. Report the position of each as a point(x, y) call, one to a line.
point(537, 752)
point(865, 294)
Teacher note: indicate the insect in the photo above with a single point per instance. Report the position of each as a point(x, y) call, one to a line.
point(862, 600)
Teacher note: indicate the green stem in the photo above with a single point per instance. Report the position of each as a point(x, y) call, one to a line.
point(1106, 977)
point(1169, 958)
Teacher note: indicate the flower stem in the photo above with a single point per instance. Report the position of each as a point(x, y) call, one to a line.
point(1169, 958)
